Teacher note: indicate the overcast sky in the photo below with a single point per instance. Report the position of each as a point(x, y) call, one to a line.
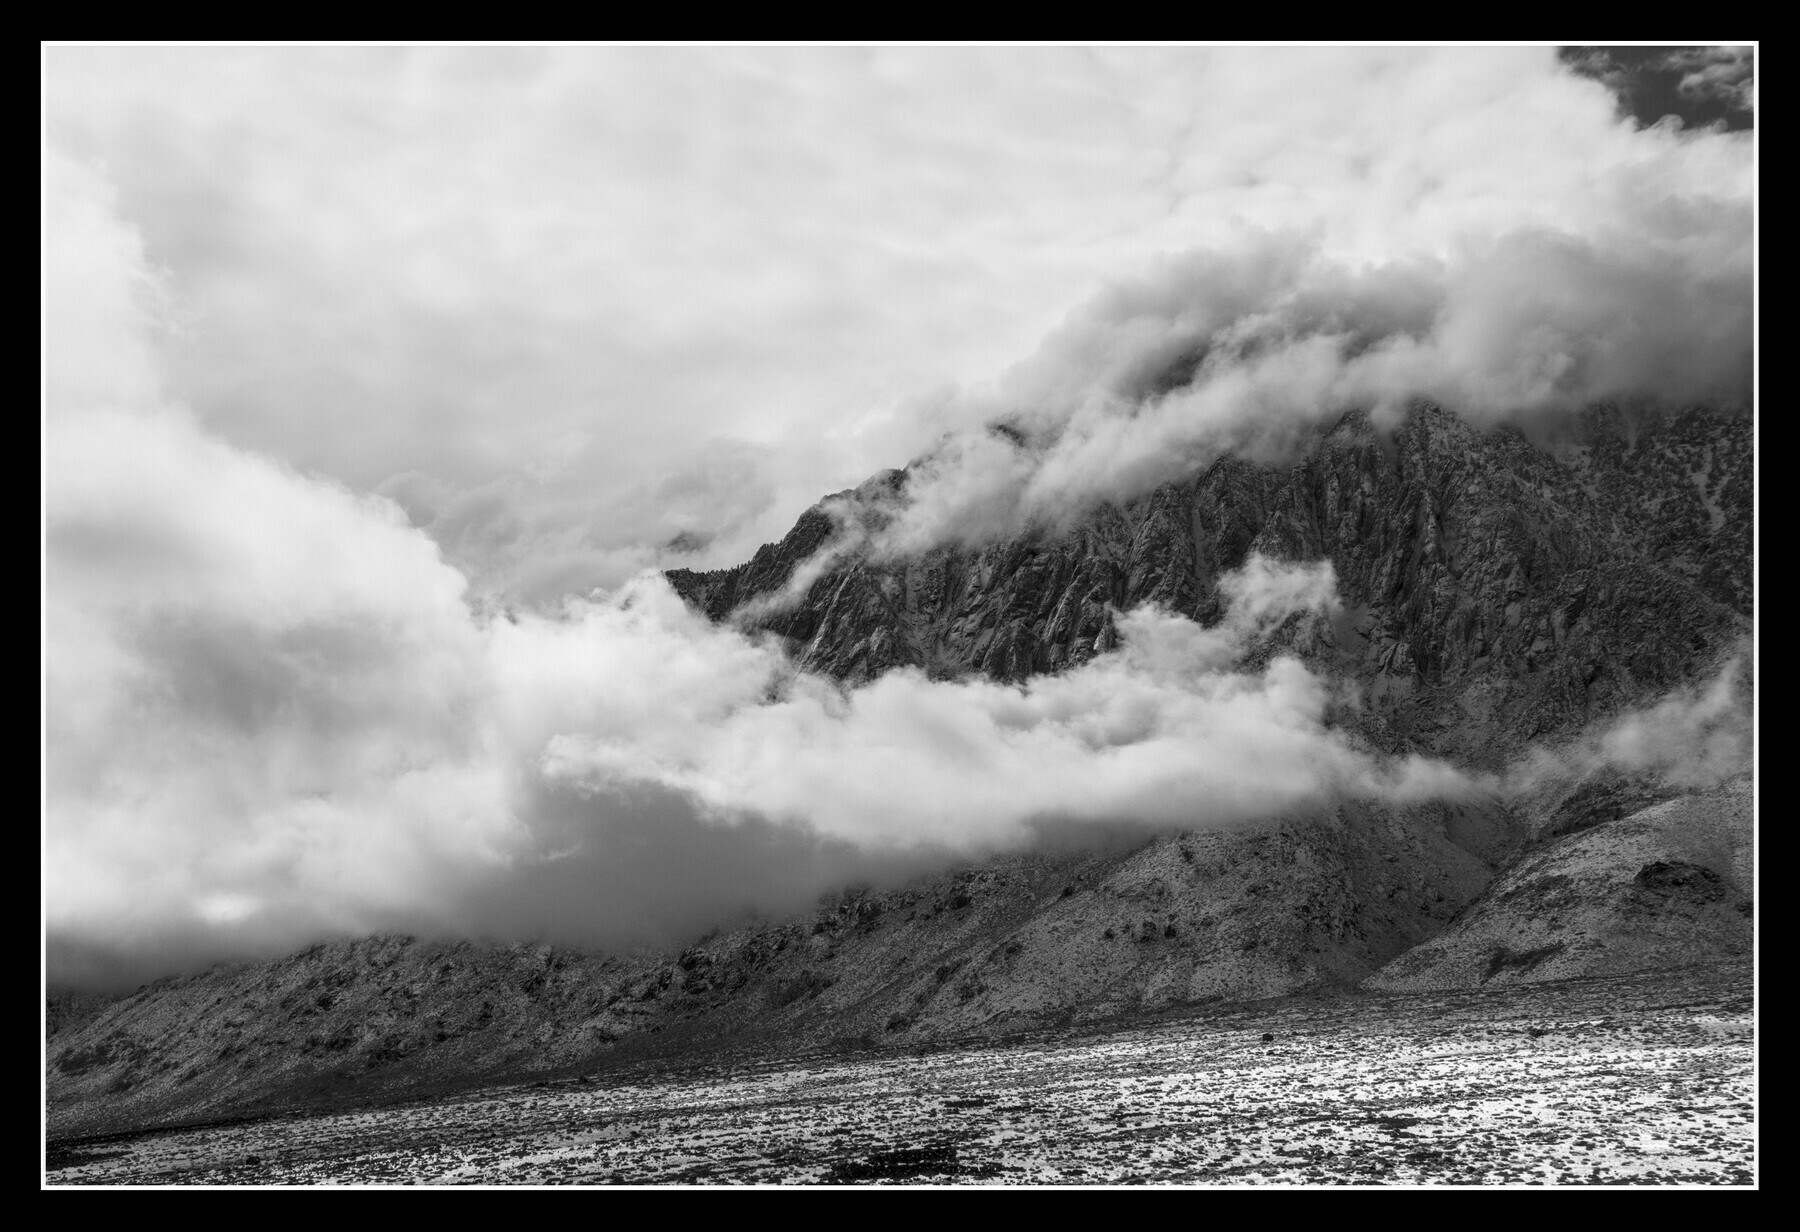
point(563, 305)
point(345, 347)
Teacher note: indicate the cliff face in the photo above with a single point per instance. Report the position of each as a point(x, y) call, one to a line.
point(1535, 588)
point(1497, 593)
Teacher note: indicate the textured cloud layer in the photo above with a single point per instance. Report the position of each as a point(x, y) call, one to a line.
point(1248, 352)
point(568, 306)
point(272, 711)
point(1165, 732)
point(358, 362)
point(272, 714)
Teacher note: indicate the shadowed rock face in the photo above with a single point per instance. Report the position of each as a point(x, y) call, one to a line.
point(1496, 592)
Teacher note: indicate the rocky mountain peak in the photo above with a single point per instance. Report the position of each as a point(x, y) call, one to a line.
point(1555, 584)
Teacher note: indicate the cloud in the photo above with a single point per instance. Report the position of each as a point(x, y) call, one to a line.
point(520, 547)
point(262, 691)
point(1694, 737)
point(531, 291)
point(1250, 352)
point(1696, 86)
point(545, 278)
point(359, 362)
point(274, 712)
point(1163, 733)
point(1724, 73)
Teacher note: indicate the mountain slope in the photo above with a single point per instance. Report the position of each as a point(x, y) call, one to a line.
point(1668, 886)
point(1498, 594)
point(1013, 943)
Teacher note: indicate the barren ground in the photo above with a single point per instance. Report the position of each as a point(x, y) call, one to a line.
point(1643, 1079)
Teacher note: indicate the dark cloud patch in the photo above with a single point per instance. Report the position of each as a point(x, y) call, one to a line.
point(1700, 86)
point(611, 871)
point(642, 866)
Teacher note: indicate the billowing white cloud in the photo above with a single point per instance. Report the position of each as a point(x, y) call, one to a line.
point(1251, 351)
point(263, 692)
point(569, 304)
point(273, 710)
point(359, 361)
point(1163, 733)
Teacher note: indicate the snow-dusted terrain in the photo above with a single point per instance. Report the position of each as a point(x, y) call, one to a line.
point(1626, 1080)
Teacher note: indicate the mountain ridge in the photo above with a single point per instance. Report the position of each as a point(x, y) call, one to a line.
point(1550, 593)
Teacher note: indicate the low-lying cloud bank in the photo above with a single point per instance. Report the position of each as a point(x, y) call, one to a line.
point(1694, 737)
point(1167, 731)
